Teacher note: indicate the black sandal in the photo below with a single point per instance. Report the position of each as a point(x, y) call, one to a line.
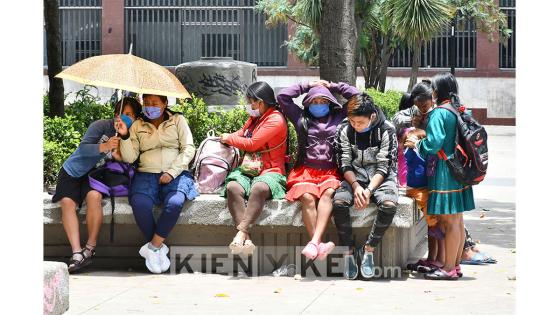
point(74, 265)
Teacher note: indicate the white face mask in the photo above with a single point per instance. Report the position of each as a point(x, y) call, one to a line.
point(252, 112)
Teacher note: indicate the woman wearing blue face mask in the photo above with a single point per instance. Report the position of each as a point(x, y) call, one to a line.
point(315, 176)
point(163, 144)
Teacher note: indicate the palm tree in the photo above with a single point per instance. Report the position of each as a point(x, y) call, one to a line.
point(417, 21)
point(337, 56)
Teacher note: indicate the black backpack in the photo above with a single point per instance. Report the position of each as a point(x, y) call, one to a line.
point(470, 158)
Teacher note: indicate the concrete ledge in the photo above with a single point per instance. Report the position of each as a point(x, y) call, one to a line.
point(206, 221)
point(55, 288)
point(211, 209)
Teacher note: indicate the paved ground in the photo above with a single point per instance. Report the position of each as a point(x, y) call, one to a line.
point(484, 289)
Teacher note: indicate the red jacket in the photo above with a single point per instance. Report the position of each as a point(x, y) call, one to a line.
point(270, 131)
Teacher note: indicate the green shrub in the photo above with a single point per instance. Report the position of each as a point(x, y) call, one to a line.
point(54, 155)
point(86, 109)
point(388, 101)
point(60, 139)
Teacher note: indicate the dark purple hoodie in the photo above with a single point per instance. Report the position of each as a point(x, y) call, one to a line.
point(321, 132)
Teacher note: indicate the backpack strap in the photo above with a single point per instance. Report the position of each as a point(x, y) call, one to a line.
point(441, 154)
point(112, 228)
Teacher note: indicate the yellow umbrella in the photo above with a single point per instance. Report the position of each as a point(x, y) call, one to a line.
point(126, 72)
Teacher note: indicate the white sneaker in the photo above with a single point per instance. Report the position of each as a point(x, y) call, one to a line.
point(163, 259)
point(152, 258)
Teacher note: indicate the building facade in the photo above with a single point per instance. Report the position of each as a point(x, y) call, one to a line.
point(171, 32)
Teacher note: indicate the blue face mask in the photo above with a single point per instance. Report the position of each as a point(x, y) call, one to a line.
point(368, 128)
point(319, 110)
point(152, 112)
point(127, 120)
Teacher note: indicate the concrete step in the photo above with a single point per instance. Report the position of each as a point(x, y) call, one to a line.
point(206, 221)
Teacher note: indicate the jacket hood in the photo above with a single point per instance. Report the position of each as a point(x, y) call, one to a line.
point(319, 91)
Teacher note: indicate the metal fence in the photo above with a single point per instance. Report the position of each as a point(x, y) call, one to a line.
point(507, 50)
point(435, 54)
point(170, 32)
point(80, 30)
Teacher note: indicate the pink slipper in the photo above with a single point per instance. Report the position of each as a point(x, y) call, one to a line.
point(458, 271)
point(324, 250)
point(311, 250)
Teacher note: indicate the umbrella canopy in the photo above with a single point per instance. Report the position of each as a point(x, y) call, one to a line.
point(126, 72)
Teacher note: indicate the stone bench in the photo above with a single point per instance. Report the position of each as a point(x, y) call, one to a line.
point(55, 288)
point(206, 221)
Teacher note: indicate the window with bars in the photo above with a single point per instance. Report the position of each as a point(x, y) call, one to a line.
point(80, 30)
point(176, 31)
point(436, 53)
point(507, 50)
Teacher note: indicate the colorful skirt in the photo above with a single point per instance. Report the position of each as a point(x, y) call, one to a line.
point(276, 182)
point(310, 180)
point(446, 195)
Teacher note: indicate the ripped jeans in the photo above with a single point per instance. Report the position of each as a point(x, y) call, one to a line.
point(344, 199)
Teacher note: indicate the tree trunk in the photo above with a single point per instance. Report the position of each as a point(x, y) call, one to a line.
point(386, 57)
point(337, 57)
point(54, 58)
point(415, 66)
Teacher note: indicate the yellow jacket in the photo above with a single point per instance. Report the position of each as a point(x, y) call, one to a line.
point(168, 148)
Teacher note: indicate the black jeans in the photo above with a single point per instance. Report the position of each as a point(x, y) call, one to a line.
point(344, 199)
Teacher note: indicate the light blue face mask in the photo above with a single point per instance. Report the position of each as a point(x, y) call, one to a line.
point(252, 112)
point(152, 112)
point(368, 128)
point(319, 110)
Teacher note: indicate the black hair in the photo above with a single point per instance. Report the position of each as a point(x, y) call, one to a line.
point(405, 102)
point(421, 92)
point(262, 91)
point(163, 98)
point(446, 88)
point(136, 107)
point(361, 105)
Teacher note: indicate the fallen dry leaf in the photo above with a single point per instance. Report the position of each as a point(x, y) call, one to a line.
point(482, 215)
point(277, 290)
point(359, 289)
point(513, 278)
point(221, 295)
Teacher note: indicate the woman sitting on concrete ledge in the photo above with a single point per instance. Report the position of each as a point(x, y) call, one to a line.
point(99, 143)
point(163, 144)
point(315, 176)
point(262, 174)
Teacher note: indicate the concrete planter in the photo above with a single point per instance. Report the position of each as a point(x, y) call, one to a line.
point(218, 80)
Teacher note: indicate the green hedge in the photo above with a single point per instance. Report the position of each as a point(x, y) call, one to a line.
point(62, 135)
point(388, 101)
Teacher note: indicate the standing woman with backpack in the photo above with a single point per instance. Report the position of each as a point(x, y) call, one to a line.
point(315, 176)
point(448, 198)
point(163, 144)
point(262, 174)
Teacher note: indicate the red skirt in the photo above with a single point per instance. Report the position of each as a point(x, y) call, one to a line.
point(310, 180)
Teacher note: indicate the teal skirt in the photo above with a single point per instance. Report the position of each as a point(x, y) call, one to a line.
point(275, 181)
point(447, 196)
